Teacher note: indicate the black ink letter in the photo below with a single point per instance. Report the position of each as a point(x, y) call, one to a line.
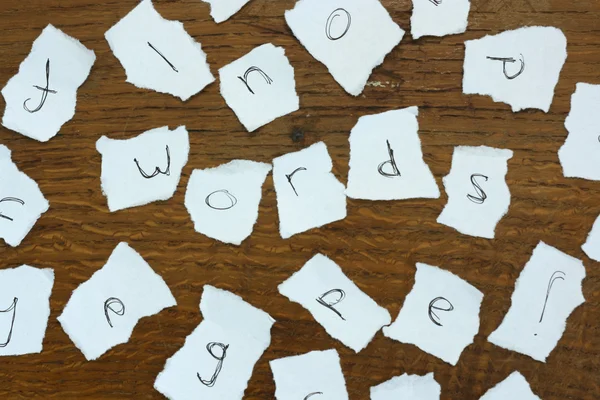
point(157, 170)
point(163, 57)
point(209, 347)
point(290, 176)
point(342, 295)
point(308, 396)
point(336, 13)
point(13, 199)
point(481, 196)
point(391, 161)
point(509, 60)
point(108, 305)
point(436, 2)
point(13, 308)
point(254, 69)
point(45, 92)
point(432, 315)
point(231, 198)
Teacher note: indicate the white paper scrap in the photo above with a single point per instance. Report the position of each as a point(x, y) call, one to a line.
point(439, 17)
point(222, 10)
point(103, 311)
point(351, 37)
point(223, 201)
point(344, 310)
point(592, 245)
point(546, 293)
point(41, 97)
point(514, 387)
point(260, 86)
point(408, 387)
point(440, 314)
point(312, 376)
point(478, 196)
point(21, 201)
point(579, 155)
point(308, 194)
point(159, 54)
point(24, 309)
point(386, 162)
point(519, 67)
point(218, 357)
point(142, 169)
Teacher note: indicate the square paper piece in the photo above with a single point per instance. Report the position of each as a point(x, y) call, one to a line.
point(260, 86)
point(221, 10)
point(316, 374)
point(592, 245)
point(440, 315)
point(351, 37)
point(24, 309)
point(546, 293)
point(519, 67)
point(478, 196)
point(345, 311)
point(439, 17)
point(21, 201)
point(579, 155)
point(308, 194)
point(408, 387)
point(514, 387)
point(142, 169)
point(158, 54)
point(41, 97)
point(223, 201)
point(103, 311)
point(386, 162)
point(218, 357)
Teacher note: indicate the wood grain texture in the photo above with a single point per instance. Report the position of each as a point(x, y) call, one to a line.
point(377, 245)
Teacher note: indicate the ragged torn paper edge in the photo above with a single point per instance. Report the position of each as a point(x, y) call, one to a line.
point(227, 319)
point(515, 386)
point(220, 10)
point(179, 26)
point(34, 47)
point(67, 326)
point(404, 385)
point(6, 154)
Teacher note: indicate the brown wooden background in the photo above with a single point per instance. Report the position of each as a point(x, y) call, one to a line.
point(377, 245)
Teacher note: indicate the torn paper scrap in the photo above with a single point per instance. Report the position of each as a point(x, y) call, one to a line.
point(350, 37)
point(309, 376)
point(440, 314)
point(478, 196)
point(223, 201)
point(222, 10)
point(159, 54)
point(142, 169)
point(260, 86)
point(386, 162)
point(24, 309)
point(546, 293)
point(22, 202)
point(439, 17)
point(344, 310)
point(41, 97)
point(519, 67)
point(308, 194)
point(579, 155)
point(103, 311)
point(218, 357)
point(514, 387)
point(592, 245)
point(408, 387)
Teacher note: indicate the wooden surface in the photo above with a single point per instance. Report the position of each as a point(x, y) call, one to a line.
point(377, 245)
